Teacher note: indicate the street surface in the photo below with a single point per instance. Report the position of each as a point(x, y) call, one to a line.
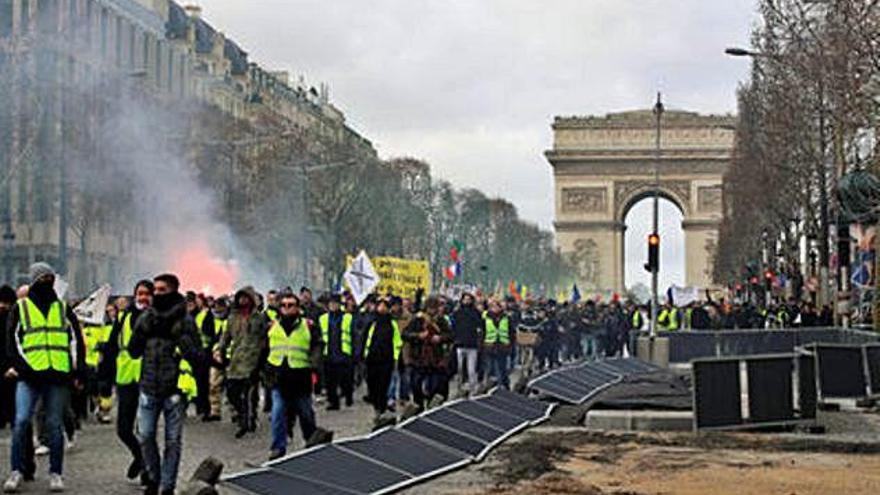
point(98, 461)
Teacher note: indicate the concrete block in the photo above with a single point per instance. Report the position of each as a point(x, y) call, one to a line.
point(641, 420)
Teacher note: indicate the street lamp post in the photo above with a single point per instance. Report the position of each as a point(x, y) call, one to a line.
point(822, 186)
point(658, 112)
point(8, 245)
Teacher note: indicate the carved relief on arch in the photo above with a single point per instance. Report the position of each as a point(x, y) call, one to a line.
point(626, 191)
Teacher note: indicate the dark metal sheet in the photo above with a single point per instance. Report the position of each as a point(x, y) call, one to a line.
point(397, 449)
point(806, 368)
point(482, 412)
point(770, 390)
point(716, 393)
point(445, 437)
point(560, 392)
point(562, 381)
point(456, 422)
point(685, 346)
point(872, 356)
point(268, 482)
point(499, 403)
point(324, 464)
point(841, 371)
point(508, 397)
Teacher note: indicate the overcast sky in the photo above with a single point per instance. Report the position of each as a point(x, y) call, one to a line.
point(472, 86)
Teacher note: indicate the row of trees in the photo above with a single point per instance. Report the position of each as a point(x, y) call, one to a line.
point(807, 116)
point(329, 199)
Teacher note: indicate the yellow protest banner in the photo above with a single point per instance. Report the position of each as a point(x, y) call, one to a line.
point(399, 276)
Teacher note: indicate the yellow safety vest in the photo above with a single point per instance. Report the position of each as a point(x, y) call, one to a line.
point(292, 349)
point(186, 381)
point(220, 327)
point(396, 340)
point(200, 323)
point(637, 319)
point(94, 337)
point(496, 334)
point(668, 319)
point(128, 369)
point(271, 313)
point(47, 340)
point(324, 322)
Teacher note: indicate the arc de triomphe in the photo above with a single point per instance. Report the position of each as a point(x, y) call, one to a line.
point(603, 165)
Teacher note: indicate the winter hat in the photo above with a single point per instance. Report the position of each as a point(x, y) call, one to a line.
point(39, 270)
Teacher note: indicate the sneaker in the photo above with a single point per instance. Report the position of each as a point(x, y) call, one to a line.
point(56, 484)
point(13, 482)
point(275, 454)
point(70, 444)
point(41, 450)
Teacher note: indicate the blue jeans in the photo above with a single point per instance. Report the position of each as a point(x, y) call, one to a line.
point(281, 407)
point(55, 401)
point(496, 366)
point(149, 410)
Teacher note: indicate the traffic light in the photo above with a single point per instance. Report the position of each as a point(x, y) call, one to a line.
point(653, 263)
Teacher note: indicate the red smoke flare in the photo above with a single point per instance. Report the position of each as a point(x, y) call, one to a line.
point(201, 271)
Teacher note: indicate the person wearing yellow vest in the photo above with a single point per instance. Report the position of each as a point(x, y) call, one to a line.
point(47, 356)
point(291, 355)
point(164, 337)
point(667, 318)
point(196, 305)
point(336, 332)
point(496, 343)
point(240, 348)
point(217, 375)
point(99, 399)
point(382, 346)
point(121, 368)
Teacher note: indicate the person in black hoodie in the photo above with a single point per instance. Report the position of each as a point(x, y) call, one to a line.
point(117, 366)
point(166, 339)
point(467, 326)
point(47, 355)
point(382, 345)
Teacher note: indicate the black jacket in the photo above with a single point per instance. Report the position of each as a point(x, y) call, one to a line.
point(161, 336)
point(467, 326)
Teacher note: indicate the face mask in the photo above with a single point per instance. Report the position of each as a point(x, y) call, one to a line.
point(140, 306)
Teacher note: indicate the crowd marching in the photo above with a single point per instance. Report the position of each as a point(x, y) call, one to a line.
point(161, 350)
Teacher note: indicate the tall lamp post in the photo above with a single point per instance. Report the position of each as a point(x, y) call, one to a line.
point(8, 246)
point(822, 169)
point(655, 269)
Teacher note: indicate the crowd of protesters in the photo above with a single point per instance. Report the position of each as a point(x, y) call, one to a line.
point(161, 350)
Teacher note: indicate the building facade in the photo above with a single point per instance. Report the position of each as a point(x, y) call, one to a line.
point(64, 65)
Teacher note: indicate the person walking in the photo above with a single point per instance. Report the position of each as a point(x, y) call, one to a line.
point(496, 343)
point(291, 355)
point(240, 347)
point(336, 332)
point(382, 346)
point(217, 376)
point(127, 374)
point(467, 327)
point(166, 339)
point(47, 354)
point(430, 339)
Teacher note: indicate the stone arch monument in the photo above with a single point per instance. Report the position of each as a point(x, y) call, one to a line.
point(603, 165)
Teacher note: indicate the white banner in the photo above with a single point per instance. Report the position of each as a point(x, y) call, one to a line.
point(682, 296)
point(91, 310)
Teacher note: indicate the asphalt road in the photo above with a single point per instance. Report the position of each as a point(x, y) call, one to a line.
point(97, 462)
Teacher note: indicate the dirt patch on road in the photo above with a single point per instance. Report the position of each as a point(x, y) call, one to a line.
point(593, 463)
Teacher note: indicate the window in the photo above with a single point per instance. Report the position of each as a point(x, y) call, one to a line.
point(170, 70)
point(132, 46)
point(119, 40)
point(5, 18)
point(103, 29)
point(158, 63)
point(47, 16)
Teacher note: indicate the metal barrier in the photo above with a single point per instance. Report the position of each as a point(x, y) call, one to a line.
point(687, 345)
point(754, 391)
